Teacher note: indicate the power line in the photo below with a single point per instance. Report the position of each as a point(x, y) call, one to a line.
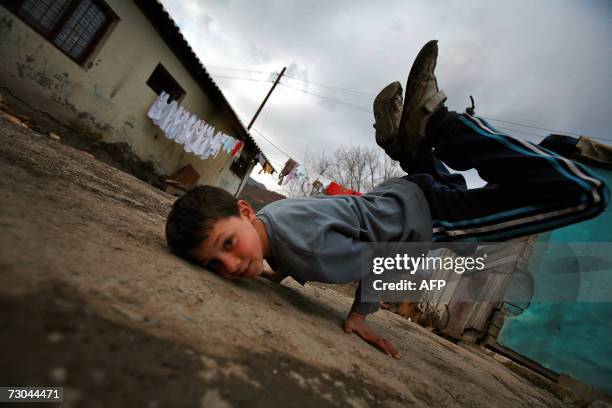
point(549, 130)
point(239, 69)
point(532, 127)
point(268, 140)
point(348, 104)
point(351, 92)
point(348, 91)
point(365, 110)
point(241, 79)
point(520, 131)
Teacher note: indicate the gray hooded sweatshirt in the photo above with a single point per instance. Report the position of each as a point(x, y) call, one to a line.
point(321, 239)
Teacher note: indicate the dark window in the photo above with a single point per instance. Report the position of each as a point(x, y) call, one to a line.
point(239, 167)
point(73, 26)
point(42, 15)
point(161, 80)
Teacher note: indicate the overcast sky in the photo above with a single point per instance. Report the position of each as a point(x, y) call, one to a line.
point(542, 63)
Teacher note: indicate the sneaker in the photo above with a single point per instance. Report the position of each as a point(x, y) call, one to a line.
point(423, 98)
point(387, 114)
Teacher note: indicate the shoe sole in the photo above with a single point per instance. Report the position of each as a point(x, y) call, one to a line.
point(386, 131)
point(424, 61)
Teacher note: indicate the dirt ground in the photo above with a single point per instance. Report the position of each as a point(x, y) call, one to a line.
point(92, 300)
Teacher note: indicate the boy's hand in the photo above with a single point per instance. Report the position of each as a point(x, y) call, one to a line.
point(271, 274)
point(355, 322)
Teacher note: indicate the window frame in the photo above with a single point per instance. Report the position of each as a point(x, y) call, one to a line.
point(112, 18)
point(240, 166)
point(164, 71)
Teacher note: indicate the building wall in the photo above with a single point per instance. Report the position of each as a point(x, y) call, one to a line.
point(108, 97)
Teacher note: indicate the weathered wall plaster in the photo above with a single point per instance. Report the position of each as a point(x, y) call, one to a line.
point(108, 97)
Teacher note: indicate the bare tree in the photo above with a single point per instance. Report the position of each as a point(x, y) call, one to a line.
point(372, 159)
point(354, 167)
point(390, 168)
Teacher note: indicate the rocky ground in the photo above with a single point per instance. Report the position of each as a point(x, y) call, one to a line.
point(92, 300)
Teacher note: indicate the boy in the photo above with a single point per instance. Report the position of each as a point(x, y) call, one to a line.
point(530, 190)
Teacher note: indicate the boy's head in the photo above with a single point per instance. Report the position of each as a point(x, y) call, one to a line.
point(210, 227)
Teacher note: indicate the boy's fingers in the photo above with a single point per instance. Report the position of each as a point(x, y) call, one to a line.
point(347, 326)
point(386, 347)
point(392, 349)
point(383, 345)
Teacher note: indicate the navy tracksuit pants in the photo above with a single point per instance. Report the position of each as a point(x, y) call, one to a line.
point(529, 189)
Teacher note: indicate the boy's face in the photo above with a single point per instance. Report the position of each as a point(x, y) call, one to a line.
point(233, 248)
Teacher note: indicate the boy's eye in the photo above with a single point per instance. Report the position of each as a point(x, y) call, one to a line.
point(228, 243)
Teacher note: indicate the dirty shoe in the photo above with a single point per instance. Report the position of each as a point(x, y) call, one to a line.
point(387, 114)
point(423, 98)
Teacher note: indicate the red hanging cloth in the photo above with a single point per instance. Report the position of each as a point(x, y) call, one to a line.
point(336, 189)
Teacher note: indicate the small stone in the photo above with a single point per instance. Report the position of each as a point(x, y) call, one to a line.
point(16, 121)
point(600, 404)
point(213, 398)
point(314, 381)
point(240, 372)
point(208, 374)
point(356, 402)
point(54, 337)
point(300, 380)
point(58, 375)
point(54, 136)
point(98, 376)
point(209, 362)
point(71, 396)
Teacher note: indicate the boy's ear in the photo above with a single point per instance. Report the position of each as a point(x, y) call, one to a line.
point(245, 210)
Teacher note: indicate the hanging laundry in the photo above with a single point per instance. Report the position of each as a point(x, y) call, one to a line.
point(174, 123)
point(232, 146)
point(216, 144)
point(317, 188)
point(158, 107)
point(237, 149)
point(291, 176)
point(227, 143)
point(193, 137)
point(202, 144)
point(336, 189)
point(300, 172)
point(267, 168)
point(289, 165)
point(184, 131)
point(197, 136)
point(167, 114)
point(325, 181)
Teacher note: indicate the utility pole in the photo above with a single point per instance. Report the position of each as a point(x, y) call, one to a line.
point(266, 98)
point(252, 164)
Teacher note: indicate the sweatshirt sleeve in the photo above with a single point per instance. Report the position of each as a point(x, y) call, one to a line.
point(363, 308)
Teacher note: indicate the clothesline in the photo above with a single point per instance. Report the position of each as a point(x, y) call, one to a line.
point(293, 172)
point(196, 135)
